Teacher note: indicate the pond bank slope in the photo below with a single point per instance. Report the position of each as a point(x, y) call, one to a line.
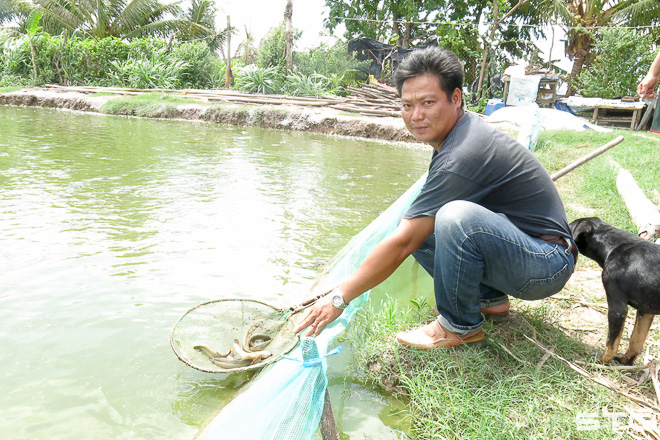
point(281, 117)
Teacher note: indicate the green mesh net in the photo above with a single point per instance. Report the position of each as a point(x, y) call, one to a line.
point(285, 401)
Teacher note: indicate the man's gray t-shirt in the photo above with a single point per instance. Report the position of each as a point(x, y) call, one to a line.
point(480, 164)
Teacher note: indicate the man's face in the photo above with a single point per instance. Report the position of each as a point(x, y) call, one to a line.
point(427, 111)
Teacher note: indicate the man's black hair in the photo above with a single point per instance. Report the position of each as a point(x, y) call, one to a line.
point(436, 61)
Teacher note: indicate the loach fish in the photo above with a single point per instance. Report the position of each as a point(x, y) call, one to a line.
point(259, 341)
point(211, 353)
point(240, 354)
point(229, 363)
point(254, 341)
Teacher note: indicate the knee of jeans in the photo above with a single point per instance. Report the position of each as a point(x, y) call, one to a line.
point(457, 213)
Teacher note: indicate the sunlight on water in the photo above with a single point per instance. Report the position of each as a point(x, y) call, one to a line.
point(111, 228)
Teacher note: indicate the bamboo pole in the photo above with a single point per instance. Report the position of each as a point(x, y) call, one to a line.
point(643, 212)
point(230, 75)
point(587, 158)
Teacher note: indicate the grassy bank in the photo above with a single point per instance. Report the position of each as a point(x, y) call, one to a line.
point(145, 105)
point(508, 387)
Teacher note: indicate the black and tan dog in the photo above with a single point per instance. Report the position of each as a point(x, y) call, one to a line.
point(631, 276)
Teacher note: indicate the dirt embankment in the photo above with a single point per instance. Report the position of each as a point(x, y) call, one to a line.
point(280, 117)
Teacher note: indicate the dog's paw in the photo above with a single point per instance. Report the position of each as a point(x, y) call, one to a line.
point(605, 358)
point(625, 359)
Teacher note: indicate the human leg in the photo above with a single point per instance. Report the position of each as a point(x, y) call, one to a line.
point(475, 246)
point(492, 301)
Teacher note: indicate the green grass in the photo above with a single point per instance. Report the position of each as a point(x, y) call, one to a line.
point(485, 392)
point(10, 89)
point(590, 190)
point(146, 105)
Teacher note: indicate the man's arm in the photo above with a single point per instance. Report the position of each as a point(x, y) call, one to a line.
point(646, 88)
point(386, 257)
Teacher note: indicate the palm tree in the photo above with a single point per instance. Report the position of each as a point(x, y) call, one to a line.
point(13, 11)
point(580, 18)
point(112, 18)
point(200, 18)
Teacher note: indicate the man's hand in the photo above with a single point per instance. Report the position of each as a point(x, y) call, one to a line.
point(318, 316)
point(646, 88)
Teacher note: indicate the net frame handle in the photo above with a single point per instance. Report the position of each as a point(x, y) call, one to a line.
point(309, 302)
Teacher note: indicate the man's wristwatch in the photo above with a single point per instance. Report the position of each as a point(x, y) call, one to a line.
point(338, 301)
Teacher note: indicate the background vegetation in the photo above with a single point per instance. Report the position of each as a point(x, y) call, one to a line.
point(109, 35)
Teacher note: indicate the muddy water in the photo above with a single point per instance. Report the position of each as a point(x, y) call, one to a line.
point(111, 228)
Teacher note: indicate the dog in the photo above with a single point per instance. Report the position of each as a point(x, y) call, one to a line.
point(631, 277)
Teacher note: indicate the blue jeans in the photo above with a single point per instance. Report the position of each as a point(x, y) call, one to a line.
point(476, 257)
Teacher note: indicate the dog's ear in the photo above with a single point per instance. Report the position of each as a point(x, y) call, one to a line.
point(581, 227)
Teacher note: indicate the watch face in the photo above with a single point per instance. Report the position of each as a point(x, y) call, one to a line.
point(337, 301)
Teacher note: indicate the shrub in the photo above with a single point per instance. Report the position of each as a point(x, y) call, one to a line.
point(148, 74)
point(332, 62)
point(623, 57)
point(298, 84)
point(200, 66)
point(14, 58)
point(255, 79)
point(143, 63)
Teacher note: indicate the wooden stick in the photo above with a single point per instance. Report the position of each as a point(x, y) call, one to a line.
point(654, 367)
point(599, 380)
point(587, 158)
point(328, 425)
point(643, 212)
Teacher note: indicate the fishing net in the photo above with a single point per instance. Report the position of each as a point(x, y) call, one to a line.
point(202, 336)
point(285, 401)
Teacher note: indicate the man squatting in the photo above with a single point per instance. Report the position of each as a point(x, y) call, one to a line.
point(488, 222)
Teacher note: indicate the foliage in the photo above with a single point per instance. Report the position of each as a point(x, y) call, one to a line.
point(271, 50)
point(334, 62)
point(13, 10)
point(579, 16)
point(144, 62)
point(398, 22)
point(479, 106)
point(297, 84)
point(246, 50)
point(112, 18)
point(147, 74)
point(199, 24)
point(453, 25)
point(255, 79)
point(201, 66)
point(615, 49)
point(318, 71)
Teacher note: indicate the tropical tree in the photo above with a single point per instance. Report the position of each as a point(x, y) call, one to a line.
point(247, 50)
point(199, 24)
point(400, 22)
point(32, 27)
point(617, 47)
point(455, 26)
point(113, 18)
point(13, 11)
point(581, 18)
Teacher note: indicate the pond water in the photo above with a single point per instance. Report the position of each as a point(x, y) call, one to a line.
point(111, 228)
